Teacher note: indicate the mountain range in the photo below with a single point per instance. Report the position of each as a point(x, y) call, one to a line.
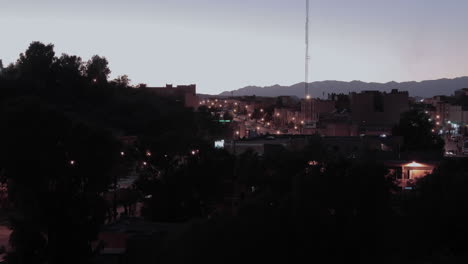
point(323, 88)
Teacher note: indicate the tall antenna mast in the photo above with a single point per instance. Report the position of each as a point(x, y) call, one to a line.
point(307, 57)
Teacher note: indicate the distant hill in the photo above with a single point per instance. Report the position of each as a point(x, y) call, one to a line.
point(321, 89)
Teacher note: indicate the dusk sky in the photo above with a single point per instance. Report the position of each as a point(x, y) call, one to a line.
point(228, 44)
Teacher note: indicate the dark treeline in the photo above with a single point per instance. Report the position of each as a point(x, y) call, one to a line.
point(60, 124)
point(60, 121)
point(340, 210)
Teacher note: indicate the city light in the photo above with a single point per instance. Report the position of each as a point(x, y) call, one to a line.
point(278, 132)
point(277, 114)
point(122, 153)
point(237, 132)
point(302, 122)
point(72, 162)
point(148, 154)
point(308, 97)
point(145, 163)
point(438, 117)
point(261, 110)
point(414, 164)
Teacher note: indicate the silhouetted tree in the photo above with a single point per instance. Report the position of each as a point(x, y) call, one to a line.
point(56, 170)
point(121, 81)
point(36, 63)
point(97, 69)
point(416, 130)
point(68, 68)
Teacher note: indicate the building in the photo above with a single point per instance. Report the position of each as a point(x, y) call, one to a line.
point(187, 94)
point(311, 109)
point(284, 116)
point(379, 147)
point(461, 93)
point(376, 112)
point(407, 173)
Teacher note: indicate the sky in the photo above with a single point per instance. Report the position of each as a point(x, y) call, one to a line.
point(223, 45)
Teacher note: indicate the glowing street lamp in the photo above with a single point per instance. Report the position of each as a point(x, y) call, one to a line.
point(72, 162)
point(122, 153)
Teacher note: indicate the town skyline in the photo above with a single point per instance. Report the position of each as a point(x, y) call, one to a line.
point(214, 44)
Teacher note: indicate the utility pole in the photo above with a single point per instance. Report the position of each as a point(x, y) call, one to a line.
point(307, 57)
